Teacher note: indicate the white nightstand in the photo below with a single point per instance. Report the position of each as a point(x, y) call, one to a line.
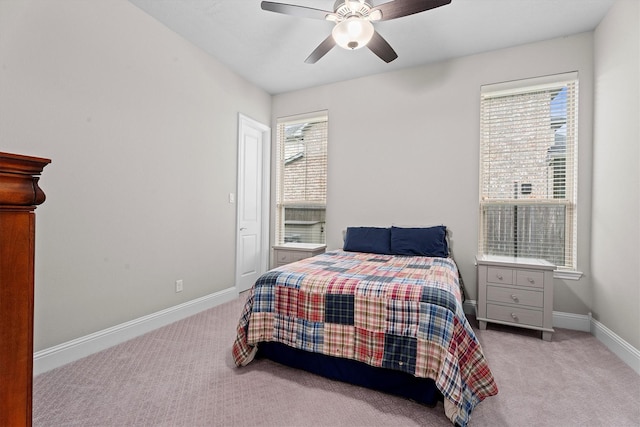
point(517, 292)
point(291, 252)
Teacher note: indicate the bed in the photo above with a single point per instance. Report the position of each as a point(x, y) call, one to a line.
point(384, 312)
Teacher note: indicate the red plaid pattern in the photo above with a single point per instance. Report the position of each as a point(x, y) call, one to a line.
point(448, 380)
point(242, 351)
point(368, 269)
point(311, 306)
point(440, 277)
point(260, 328)
point(286, 301)
point(369, 346)
point(370, 313)
point(317, 282)
point(340, 286)
point(429, 357)
point(404, 292)
point(399, 312)
point(338, 340)
point(473, 366)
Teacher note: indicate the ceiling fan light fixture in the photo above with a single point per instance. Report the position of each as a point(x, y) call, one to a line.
point(375, 15)
point(353, 33)
point(354, 5)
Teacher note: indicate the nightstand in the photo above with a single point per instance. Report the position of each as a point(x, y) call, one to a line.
point(291, 252)
point(517, 292)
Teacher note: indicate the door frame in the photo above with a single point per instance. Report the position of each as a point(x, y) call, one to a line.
point(265, 253)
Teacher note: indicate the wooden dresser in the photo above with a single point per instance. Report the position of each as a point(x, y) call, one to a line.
point(19, 196)
point(292, 252)
point(516, 292)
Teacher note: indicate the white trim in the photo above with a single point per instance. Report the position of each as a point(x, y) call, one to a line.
point(585, 323)
point(53, 357)
point(533, 84)
point(470, 306)
point(576, 322)
point(304, 117)
point(56, 356)
point(567, 274)
point(625, 351)
point(265, 252)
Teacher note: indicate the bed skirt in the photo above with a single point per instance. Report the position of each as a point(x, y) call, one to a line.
point(421, 390)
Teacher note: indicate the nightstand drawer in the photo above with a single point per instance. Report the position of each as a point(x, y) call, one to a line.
point(286, 257)
point(530, 278)
point(292, 252)
point(515, 291)
point(283, 257)
point(514, 315)
point(298, 255)
point(500, 275)
point(513, 295)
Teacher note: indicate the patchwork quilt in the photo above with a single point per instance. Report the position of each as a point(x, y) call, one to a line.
point(399, 312)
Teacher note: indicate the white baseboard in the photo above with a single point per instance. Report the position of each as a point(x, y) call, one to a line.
point(53, 357)
point(625, 351)
point(59, 355)
point(470, 306)
point(585, 323)
point(575, 322)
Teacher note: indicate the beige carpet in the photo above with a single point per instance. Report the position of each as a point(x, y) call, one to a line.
point(183, 375)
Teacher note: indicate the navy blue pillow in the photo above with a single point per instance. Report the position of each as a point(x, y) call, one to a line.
point(374, 240)
point(430, 241)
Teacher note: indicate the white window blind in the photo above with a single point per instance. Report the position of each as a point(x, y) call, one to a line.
point(528, 169)
point(301, 183)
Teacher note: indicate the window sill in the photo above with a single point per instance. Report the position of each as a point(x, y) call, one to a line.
point(567, 274)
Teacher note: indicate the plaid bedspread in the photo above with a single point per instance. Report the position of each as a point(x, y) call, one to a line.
point(398, 312)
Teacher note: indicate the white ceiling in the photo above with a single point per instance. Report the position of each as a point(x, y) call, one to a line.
point(269, 49)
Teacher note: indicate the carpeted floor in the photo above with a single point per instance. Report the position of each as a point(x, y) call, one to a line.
point(183, 375)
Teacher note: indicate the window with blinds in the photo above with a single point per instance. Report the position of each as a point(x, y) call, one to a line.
point(301, 179)
point(528, 169)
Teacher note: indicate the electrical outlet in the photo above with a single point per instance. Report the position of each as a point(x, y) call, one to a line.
point(179, 285)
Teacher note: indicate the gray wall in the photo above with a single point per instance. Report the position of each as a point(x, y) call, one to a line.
point(615, 250)
point(142, 130)
point(403, 147)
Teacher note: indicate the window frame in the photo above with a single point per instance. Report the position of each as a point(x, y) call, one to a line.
point(281, 160)
point(523, 87)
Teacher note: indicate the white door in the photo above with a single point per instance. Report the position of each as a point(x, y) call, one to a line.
point(252, 242)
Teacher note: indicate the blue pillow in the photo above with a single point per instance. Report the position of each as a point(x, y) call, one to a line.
point(430, 241)
point(374, 240)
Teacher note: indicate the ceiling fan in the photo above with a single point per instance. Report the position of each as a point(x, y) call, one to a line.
point(353, 19)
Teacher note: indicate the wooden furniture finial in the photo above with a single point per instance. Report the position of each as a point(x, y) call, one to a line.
point(19, 196)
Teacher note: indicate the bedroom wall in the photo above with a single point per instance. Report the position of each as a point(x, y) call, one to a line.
point(615, 249)
point(142, 130)
point(403, 147)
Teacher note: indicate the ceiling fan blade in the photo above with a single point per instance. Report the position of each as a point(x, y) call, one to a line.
point(299, 11)
point(321, 50)
point(399, 8)
point(380, 47)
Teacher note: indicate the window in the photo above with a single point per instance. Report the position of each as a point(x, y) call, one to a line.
point(301, 182)
point(528, 169)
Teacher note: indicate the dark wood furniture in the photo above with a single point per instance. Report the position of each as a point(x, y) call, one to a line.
point(19, 196)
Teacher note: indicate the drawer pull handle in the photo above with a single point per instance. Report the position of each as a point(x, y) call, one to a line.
point(499, 276)
point(514, 297)
point(530, 280)
point(514, 316)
